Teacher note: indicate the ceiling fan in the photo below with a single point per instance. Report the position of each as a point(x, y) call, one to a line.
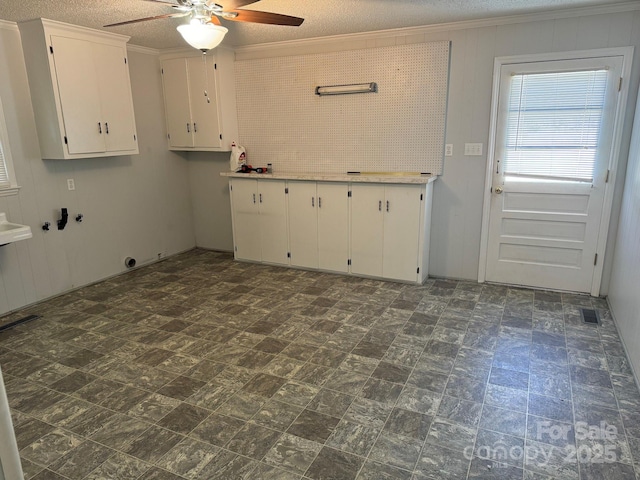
point(210, 12)
point(205, 31)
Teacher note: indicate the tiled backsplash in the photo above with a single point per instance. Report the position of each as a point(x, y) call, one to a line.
point(400, 128)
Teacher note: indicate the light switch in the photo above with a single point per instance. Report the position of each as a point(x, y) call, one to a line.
point(473, 149)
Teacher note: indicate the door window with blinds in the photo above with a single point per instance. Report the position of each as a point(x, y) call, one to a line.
point(7, 179)
point(553, 125)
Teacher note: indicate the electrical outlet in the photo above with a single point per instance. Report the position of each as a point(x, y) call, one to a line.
point(71, 184)
point(448, 150)
point(473, 149)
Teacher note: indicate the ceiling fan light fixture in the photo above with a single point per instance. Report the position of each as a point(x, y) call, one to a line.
point(203, 36)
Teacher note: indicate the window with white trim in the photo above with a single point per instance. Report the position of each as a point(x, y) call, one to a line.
point(553, 125)
point(8, 183)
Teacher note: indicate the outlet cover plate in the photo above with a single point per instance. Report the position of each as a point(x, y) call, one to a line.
point(473, 149)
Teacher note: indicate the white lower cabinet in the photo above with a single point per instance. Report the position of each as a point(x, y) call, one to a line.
point(319, 225)
point(385, 230)
point(370, 229)
point(259, 220)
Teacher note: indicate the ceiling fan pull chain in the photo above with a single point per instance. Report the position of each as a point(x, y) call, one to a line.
point(206, 76)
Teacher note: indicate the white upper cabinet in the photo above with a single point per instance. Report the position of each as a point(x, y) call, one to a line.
point(80, 89)
point(199, 97)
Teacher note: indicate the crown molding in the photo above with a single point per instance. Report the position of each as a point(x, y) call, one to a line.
point(339, 41)
point(143, 50)
point(6, 25)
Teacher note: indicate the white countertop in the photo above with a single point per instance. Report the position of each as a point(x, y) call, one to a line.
point(391, 177)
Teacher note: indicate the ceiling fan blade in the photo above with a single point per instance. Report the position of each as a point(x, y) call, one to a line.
point(162, 2)
point(215, 20)
point(233, 4)
point(254, 16)
point(157, 17)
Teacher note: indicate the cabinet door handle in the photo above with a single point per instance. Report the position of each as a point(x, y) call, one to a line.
point(387, 205)
point(260, 198)
point(254, 198)
point(188, 128)
point(319, 202)
point(379, 205)
point(106, 126)
point(99, 128)
point(312, 202)
point(195, 127)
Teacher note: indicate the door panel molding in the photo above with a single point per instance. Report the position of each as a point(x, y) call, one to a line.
point(627, 55)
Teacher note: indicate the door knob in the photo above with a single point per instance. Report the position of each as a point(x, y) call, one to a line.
point(498, 190)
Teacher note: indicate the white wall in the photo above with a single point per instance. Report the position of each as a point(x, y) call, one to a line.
point(458, 194)
point(135, 206)
point(625, 278)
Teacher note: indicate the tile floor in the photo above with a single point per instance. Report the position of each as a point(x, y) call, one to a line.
point(201, 367)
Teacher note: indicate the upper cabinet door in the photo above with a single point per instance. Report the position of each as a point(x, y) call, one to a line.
point(204, 103)
point(115, 91)
point(175, 82)
point(79, 94)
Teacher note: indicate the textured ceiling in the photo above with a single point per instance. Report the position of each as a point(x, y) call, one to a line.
point(322, 17)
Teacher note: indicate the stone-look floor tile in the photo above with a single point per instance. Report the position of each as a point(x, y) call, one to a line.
point(483, 468)
point(381, 391)
point(509, 378)
point(30, 430)
point(506, 397)
point(551, 407)
point(332, 463)
point(551, 432)
point(242, 406)
point(465, 388)
point(450, 435)
point(269, 472)
point(153, 407)
point(505, 421)
point(264, 385)
point(409, 424)
point(122, 467)
point(30, 470)
point(50, 447)
point(330, 403)
point(608, 471)
point(253, 441)
point(184, 418)
point(296, 393)
point(419, 400)
point(81, 460)
point(313, 426)
point(353, 437)
point(590, 376)
point(188, 458)
point(460, 411)
point(378, 471)
point(439, 462)
point(217, 429)
point(368, 412)
point(226, 465)
point(346, 382)
point(153, 444)
point(119, 431)
point(502, 448)
point(181, 388)
point(89, 421)
point(546, 459)
point(47, 475)
point(293, 453)
point(277, 415)
point(396, 450)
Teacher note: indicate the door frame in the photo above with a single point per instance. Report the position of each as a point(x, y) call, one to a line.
point(627, 56)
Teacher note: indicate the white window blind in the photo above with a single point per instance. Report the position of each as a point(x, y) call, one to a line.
point(4, 174)
point(553, 125)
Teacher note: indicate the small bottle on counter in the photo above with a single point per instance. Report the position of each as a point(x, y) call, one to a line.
point(269, 168)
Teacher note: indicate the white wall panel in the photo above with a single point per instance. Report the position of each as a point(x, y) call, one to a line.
point(400, 128)
point(135, 206)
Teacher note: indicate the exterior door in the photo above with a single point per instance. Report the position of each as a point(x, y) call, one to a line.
point(553, 142)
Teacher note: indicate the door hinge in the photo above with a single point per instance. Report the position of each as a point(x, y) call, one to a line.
point(421, 197)
point(288, 254)
point(620, 85)
point(418, 270)
point(125, 60)
point(169, 136)
point(162, 71)
point(231, 187)
point(349, 195)
point(491, 190)
point(134, 138)
point(51, 48)
point(235, 249)
point(349, 262)
point(215, 66)
point(220, 136)
point(286, 190)
point(606, 180)
point(595, 259)
point(65, 140)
